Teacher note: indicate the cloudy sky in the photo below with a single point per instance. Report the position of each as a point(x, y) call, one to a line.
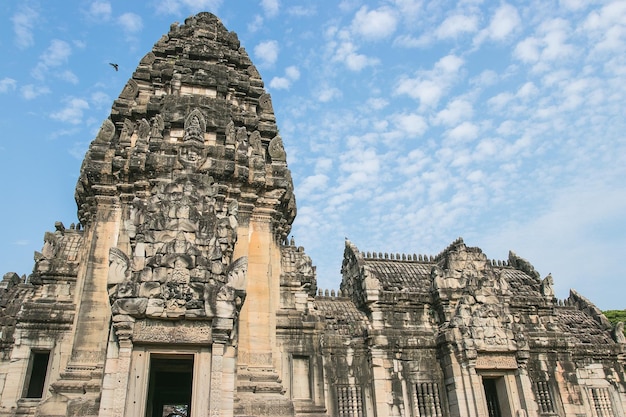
point(407, 123)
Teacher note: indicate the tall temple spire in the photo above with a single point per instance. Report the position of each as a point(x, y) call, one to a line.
point(195, 106)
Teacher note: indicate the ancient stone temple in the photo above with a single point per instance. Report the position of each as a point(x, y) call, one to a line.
point(179, 293)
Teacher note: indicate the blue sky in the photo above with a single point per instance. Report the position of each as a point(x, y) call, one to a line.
point(407, 123)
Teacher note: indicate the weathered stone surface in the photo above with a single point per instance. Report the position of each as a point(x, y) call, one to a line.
point(186, 201)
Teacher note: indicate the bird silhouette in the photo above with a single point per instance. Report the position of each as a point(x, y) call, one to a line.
point(114, 65)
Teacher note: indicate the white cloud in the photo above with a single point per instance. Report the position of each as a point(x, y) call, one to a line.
point(374, 24)
point(130, 22)
point(354, 61)
point(267, 52)
point(100, 10)
point(361, 166)
point(528, 50)
point(411, 124)
point(56, 55)
point(573, 4)
point(456, 25)
point(292, 72)
point(256, 23)
point(504, 21)
point(100, 99)
point(456, 111)
point(312, 183)
point(283, 83)
point(548, 44)
point(302, 11)
point(30, 92)
point(7, 84)
point(177, 7)
point(23, 23)
point(429, 86)
point(528, 90)
point(464, 132)
point(376, 103)
point(410, 10)
point(500, 100)
point(270, 7)
point(607, 27)
point(326, 94)
point(68, 76)
point(408, 41)
point(72, 112)
point(280, 83)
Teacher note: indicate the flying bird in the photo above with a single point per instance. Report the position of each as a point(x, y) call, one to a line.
point(114, 65)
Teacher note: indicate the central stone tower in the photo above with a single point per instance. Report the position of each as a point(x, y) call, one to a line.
point(185, 196)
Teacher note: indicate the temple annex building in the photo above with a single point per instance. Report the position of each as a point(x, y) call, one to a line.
point(179, 293)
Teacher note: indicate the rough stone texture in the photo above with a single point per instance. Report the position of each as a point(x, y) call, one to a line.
point(185, 202)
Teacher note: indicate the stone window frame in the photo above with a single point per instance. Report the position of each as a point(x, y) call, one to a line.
point(29, 373)
point(350, 402)
point(601, 401)
point(544, 395)
point(431, 406)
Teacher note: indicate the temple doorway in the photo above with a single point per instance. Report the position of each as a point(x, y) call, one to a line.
point(170, 385)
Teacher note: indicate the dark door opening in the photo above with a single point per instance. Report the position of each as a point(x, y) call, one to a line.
point(491, 395)
point(169, 388)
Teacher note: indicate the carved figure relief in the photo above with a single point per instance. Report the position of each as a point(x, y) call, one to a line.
point(192, 152)
point(127, 131)
point(156, 126)
point(106, 132)
point(183, 242)
point(276, 150)
point(130, 91)
point(143, 129)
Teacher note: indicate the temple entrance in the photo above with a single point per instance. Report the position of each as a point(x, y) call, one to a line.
point(491, 396)
point(169, 388)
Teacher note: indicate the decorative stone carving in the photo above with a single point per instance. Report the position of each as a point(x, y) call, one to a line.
point(157, 125)
point(618, 333)
point(148, 59)
point(523, 265)
point(253, 72)
point(276, 150)
point(547, 287)
point(231, 134)
point(127, 131)
point(192, 151)
point(119, 267)
point(265, 104)
point(106, 132)
point(130, 91)
point(143, 129)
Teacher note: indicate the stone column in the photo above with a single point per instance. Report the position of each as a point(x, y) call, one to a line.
point(117, 371)
point(217, 404)
point(257, 321)
point(84, 370)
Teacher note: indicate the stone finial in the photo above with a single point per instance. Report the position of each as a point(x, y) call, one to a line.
point(618, 333)
point(523, 265)
point(547, 287)
point(59, 228)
